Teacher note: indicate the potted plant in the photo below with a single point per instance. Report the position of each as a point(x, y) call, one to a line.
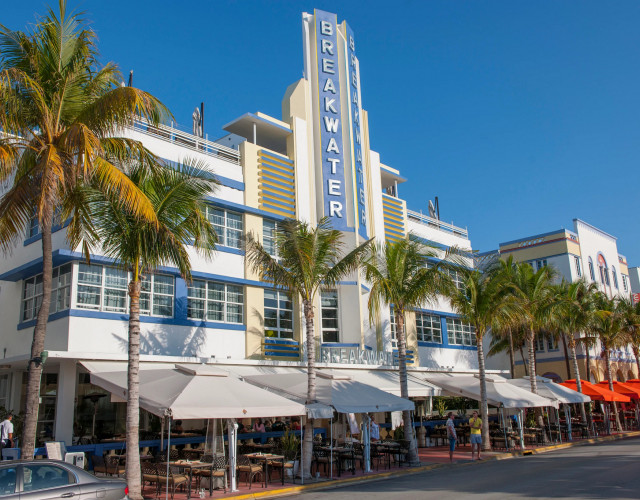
point(290, 446)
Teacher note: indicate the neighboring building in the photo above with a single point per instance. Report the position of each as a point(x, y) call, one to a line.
point(315, 160)
point(588, 253)
point(634, 278)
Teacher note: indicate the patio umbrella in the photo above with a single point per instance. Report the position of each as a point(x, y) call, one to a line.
point(625, 389)
point(596, 392)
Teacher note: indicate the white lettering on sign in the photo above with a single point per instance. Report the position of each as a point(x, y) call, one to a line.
point(356, 356)
point(335, 187)
point(327, 66)
point(329, 86)
point(327, 47)
point(326, 28)
point(334, 164)
point(335, 209)
point(331, 124)
point(332, 147)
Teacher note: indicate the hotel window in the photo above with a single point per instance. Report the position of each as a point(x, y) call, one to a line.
point(60, 293)
point(228, 226)
point(552, 343)
point(578, 268)
point(428, 328)
point(269, 228)
point(615, 277)
point(460, 333)
point(540, 264)
point(214, 301)
point(392, 324)
point(591, 271)
point(539, 343)
point(625, 287)
point(104, 288)
point(34, 224)
point(457, 277)
point(278, 314)
point(330, 329)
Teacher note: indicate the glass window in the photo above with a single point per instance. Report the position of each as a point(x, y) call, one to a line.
point(591, 271)
point(540, 264)
point(615, 276)
point(457, 277)
point(392, 324)
point(539, 343)
point(330, 329)
point(460, 333)
point(278, 314)
point(228, 226)
point(578, 268)
point(625, 287)
point(428, 328)
point(552, 343)
point(41, 477)
point(215, 301)
point(60, 293)
point(106, 288)
point(7, 481)
point(269, 228)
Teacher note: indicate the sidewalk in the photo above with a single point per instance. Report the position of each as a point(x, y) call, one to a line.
point(430, 458)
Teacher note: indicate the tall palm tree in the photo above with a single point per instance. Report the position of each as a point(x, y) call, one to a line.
point(631, 318)
point(60, 111)
point(309, 258)
point(399, 276)
point(178, 198)
point(483, 302)
point(609, 326)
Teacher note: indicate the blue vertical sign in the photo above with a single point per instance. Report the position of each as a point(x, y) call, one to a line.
point(334, 189)
point(353, 84)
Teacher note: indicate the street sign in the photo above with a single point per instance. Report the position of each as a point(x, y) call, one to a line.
point(636, 298)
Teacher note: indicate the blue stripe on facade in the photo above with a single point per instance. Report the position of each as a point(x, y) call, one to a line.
point(243, 208)
point(275, 198)
point(278, 189)
point(224, 181)
point(276, 157)
point(291, 213)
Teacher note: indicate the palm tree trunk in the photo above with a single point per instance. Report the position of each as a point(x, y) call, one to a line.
point(524, 362)
point(512, 357)
point(615, 406)
point(636, 353)
point(404, 387)
point(133, 392)
point(566, 354)
point(34, 371)
point(587, 361)
point(534, 381)
point(307, 447)
point(484, 405)
point(576, 368)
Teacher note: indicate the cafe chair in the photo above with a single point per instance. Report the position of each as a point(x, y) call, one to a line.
point(249, 469)
point(218, 470)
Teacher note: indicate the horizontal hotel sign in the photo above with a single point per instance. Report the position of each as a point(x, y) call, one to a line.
point(356, 356)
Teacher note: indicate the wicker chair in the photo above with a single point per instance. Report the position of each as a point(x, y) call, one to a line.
point(251, 470)
point(99, 465)
point(189, 454)
point(282, 466)
point(173, 455)
point(324, 458)
point(150, 475)
point(218, 469)
point(174, 480)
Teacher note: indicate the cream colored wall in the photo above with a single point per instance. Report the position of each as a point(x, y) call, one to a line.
point(412, 336)
point(538, 252)
point(255, 321)
point(249, 153)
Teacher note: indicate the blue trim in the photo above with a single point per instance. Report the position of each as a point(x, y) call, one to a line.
point(276, 163)
point(280, 209)
point(338, 344)
point(278, 189)
point(527, 238)
point(278, 158)
point(277, 179)
point(236, 251)
point(38, 237)
point(551, 360)
point(223, 181)
point(278, 197)
point(52, 317)
point(365, 288)
point(448, 346)
point(438, 313)
point(348, 283)
point(243, 208)
point(258, 118)
point(398, 176)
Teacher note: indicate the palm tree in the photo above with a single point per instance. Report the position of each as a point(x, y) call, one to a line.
point(631, 317)
point(609, 326)
point(483, 303)
point(59, 111)
point(572, 307)
point(399, 276)
point(308, 259)
point(178, 197)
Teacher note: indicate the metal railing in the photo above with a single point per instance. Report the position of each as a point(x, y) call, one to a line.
point(437, 224)
point(187, 140)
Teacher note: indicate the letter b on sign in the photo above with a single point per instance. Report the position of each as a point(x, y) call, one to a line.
point(326, 28)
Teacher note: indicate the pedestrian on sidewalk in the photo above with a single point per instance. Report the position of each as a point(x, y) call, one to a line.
point(475, 423)
point(451, 434)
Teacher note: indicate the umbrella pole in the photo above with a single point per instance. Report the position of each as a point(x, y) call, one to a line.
point(232, 441)
point(166, 491)
point(504, 430)
point(367, 451)
point(521, 427)
point(331, 447)
point(162, 433)
point(302, 451)
point(567, 416)
point(558, 424)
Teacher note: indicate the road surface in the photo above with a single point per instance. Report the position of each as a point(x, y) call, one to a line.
point(607, 470)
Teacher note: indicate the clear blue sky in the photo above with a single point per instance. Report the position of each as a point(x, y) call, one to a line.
point(519, 115)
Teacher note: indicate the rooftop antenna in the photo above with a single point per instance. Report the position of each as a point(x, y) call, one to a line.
point(131, 78)
point(197, 121)
point(202, 119)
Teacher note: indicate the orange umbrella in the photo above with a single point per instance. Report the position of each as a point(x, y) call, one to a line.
point(596, 391)
point(631, 391)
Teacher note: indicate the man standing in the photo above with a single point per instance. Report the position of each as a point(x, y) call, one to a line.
point(451, 434)
point(6, 433)
point(475, 423)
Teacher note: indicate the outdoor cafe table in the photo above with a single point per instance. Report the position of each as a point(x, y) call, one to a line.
point(341, 452)
point(265, 458)
point(387, 449)
point(190, 466)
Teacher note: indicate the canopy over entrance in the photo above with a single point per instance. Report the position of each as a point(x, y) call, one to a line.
point(549, 389)
point(499, 391)
point(193, 391)
point(334, 389)
point(596, 392)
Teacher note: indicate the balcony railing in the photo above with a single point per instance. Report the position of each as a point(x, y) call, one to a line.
point(187, 140)
point(437, 224)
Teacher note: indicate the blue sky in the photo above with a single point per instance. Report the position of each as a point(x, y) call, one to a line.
point(520, 116)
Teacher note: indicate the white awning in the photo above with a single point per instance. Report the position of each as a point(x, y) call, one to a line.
point(193, 391)
point(499, 391)
point(333, 389)
point(389, 381)
point(549, 389)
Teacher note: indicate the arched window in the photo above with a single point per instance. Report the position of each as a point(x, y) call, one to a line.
point(615, 276)
point(603, 270)
point(592, 273)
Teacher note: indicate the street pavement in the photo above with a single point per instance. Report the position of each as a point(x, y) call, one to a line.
point(608, 470)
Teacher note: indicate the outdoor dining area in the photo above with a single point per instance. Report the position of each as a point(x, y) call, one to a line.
point(250, 422)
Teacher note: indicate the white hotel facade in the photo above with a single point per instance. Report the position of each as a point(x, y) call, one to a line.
point(314, 160)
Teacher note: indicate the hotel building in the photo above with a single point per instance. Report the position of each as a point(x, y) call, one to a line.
point(586, 252)
point(313, 161)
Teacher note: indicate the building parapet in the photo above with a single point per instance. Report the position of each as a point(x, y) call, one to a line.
point(437, 224)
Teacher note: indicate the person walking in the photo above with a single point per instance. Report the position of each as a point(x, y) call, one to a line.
point(451, 434)
point(475, 424)
point(6, 434)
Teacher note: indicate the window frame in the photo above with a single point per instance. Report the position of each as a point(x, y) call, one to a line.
point(224, 229)
point(271, 239)
point(335, 331)
point(280, 298)
point(57, 293)
point(578, 266)
point(615, 277)
point(465, 331)
point(592, 271)
point(229, 290)
point(435, 335)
